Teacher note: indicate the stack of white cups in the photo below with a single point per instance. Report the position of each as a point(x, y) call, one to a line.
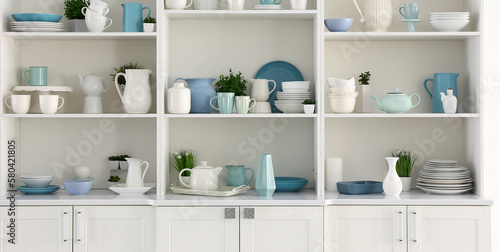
point(95, 16)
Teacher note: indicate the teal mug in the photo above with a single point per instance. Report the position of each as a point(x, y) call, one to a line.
point(270, 2)
point(38, 76)
point(225, 102)
point(236, 175)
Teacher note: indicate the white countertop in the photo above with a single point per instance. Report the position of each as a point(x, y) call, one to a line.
point(305, 197)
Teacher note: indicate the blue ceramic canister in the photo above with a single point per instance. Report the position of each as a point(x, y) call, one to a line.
point(201, 93)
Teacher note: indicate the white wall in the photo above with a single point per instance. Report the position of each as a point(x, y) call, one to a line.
point(491, 96)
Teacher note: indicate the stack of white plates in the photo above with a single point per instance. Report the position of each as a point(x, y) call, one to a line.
point(444, 177)
point(37, 26)
point(267, 7)
point(294, 93)
point(449, 21)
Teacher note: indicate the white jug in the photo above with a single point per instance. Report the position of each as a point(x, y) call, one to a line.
point(137, 96)
point(260, 89)
point(134, 177)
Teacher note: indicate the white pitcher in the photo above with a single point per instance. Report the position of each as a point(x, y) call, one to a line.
point(134, 177)
point(137, 96)
point(260, 89)
point(377, 15)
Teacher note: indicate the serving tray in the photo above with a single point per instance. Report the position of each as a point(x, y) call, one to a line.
point(223, 191)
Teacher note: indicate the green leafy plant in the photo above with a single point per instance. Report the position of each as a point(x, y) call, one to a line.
point(405, 162)
point(183, 159)
point(232, 83)
point(121, 69)
point(364, 78)
point(309, 101)
point(150, 20)
point(114, 179)
point(73, 8)
point(118, 158)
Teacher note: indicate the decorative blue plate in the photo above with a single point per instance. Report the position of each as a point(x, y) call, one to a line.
point(36, 17)
point(289, 184)
point(42, 190)
point(278, 71)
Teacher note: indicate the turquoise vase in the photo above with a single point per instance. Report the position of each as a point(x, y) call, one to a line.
point(201, 93)
point(264, 184)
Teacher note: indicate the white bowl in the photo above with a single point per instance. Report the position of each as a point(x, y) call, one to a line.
point(347, 89)
point(448, 18)
point(290, 107)
point(343, 95)
point(448, 25)
point(295, 83)
point(342, 105)
point(36, 176)
point(37, 182)
point(335, 82)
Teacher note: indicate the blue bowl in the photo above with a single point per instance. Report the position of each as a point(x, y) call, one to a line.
point(289, 184)
point(360, 187)
point(36, 17)
point(78, 187)
point(338, 24)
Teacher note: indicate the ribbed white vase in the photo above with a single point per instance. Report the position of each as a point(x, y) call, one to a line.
point(378, 15)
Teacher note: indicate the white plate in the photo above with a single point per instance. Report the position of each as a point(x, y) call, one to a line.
point(267, 7)
point(37, 29)
point(450, 13)
point(445, 181)
point(441, 161)
point(436, 191)
point(122, 189)
point(450, 186)
point(444, 169)
point(36, 23)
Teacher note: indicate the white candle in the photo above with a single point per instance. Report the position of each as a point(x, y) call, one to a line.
point(333, 173)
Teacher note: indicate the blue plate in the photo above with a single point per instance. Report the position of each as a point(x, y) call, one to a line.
point(278, 71)
point(289, 184)
point(36, 17)
point(41, 190)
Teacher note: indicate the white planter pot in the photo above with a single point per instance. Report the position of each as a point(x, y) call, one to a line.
point(123, 165)
point(406, 183)
point(308, 108)
point(364, 100)
point(110, 184)
point(77, 25)
point(148, 27)
point(113, 165)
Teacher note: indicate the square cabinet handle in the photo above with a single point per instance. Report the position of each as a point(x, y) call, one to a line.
point(248, 213)
point(229, 213)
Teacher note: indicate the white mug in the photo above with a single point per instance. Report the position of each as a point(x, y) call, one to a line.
point(98, 9)
point(177, 4)
point(96, 23)
point(20, 103)
point(243, 104)
point(49, 103)
point(235, 4)
point(98, 2)
point(298, 4)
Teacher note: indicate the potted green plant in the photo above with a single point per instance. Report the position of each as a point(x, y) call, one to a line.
point(113, 180)
point(73, 12)
point(228, 87)
point(182, 159)
point(364, 100)
point(404, 166)
point(309, 105)
point(118, 162)
point(149, 24)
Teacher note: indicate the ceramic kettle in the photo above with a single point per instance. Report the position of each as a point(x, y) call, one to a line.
point(396, 102)
point(134, 177)
point(93, 85)
point(203, 177)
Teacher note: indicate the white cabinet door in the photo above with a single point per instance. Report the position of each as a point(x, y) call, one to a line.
point(365, 228)
point(449, 229)
point(114, 228)
point(281, 229)
point(190, 229)
point(46, 228)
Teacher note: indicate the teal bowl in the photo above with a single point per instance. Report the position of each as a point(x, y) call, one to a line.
point(36, 17)
point(289, 184)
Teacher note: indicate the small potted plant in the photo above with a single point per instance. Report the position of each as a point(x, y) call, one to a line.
point(364, 101)
point(230, 86)
point(404, 166)
point(118, 162)
point(149, 24)
point(309, 106)
point(113, 180)
point(73, 12)
point(183, 159)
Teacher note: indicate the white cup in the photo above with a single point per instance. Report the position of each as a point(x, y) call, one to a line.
point(177, 4)
point(98, 2)
point(298, 4)
point(235, 4)
point(20, 103)
point(98, 9)
point(243, 104)
point(49, 103)
point(96, 22)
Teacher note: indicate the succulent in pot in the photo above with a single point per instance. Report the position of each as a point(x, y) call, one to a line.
point(118, 162)
point(73, 12)
point(149, 24)
point(404, 166)
point(309, 105)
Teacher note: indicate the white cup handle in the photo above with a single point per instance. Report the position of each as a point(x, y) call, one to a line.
point(253, 104)
point(6, 103)
point(106, 88)
point(190, 3)
point(62, 99)
point(110, 22)
point(106, 12)
point(84, 12)
point(180, 177)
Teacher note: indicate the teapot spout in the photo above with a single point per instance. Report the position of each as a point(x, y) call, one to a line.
point(80, 77)
point(378, 101)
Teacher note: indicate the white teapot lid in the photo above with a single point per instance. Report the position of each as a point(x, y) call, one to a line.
point(203, 165)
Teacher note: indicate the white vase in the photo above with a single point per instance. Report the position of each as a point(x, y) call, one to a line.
point(364, 100)
point(406, 183)
point(178, 99)
point(392, 183)
point(378, 15)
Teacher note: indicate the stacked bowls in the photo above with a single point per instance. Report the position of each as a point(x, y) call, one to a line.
point(36, 180)
point(449, 21)
point(342, 95)
point(294, 93)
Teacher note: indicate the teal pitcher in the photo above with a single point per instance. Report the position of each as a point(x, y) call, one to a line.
point(132, 17)
point(236, 175)
point(440, 83)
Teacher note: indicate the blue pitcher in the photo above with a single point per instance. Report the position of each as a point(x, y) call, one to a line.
point(236, 175)
point(132, 17)
point(201, 93)
point(441, 83)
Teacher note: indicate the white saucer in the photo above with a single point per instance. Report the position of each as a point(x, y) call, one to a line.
point(267, 7)
point(122, 189)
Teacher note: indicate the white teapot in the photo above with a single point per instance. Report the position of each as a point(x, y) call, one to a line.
point(203, 177)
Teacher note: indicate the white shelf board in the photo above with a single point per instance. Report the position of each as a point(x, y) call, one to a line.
point(250, 115)
point(77, 115)
point(240, 14)
point(405, 115)
point(81, 35)
point(398, 36)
